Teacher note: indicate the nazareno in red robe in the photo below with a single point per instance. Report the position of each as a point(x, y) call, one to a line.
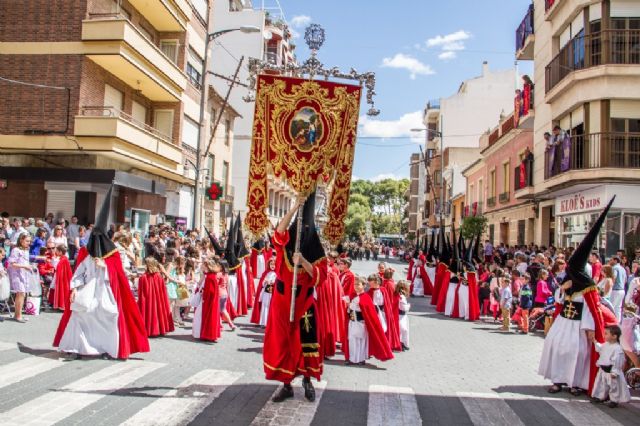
point(153, 303)
point(132, 336)
point(389, 284)
point(257, 305)
point(426, 281)
point(378, 344)
point(241, 304)
point(330, 308)
point(251, 290)
point(284, 356)
point(347, 279)
point(455, 312)
point(474, 301)
point(62, 289)
point(254, 259)
point(440, 269)
point(445, 276)
point(410, 271)
point(393, 321)
point(211, 325)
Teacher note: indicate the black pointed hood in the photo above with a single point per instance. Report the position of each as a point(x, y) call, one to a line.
point(99, 244)
point(455, 261)
point(445, 253)
point(230, 248)
point(217, 248)
point(431, 252)
point(416, 251)
point(241, 246)
point(425, 244)
point(310, 244)
point(468, 257)
point(476, 249)
point(259, 245)
point(578, 260)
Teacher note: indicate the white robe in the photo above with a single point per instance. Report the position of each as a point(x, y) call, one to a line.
point(431, 273)
point(566, 354)
point(378, 300)
point(196, 325)
point(245, 280)
point(232, 289)
point(463, 301)
point(358, 336)
point(606, 385)
point(403, 305)
point(93, 325)
point(265, 298)
point(451, 297)
point(260, 264)
point(418, 285)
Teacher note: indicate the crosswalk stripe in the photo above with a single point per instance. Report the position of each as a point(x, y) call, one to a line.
point(581, 412)
point(297, 411)
point(56, 405)
point(181, 405)
point(23, 369)
point(389, 405)
point(488, 409)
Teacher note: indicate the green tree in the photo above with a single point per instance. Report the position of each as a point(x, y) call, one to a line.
point(472, 226)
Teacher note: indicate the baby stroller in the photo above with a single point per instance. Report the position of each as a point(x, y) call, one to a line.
point(538, 315)
point(630, 341)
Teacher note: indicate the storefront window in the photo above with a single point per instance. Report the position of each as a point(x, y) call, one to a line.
point(631, 232)
point(574, 228)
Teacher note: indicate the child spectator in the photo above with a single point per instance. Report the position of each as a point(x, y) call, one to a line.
point(610, 382)
point(542, 290)
point(402, 290)
point(506, 299)
point(526, 303)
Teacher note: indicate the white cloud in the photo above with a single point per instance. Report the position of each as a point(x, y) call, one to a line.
point(449, 43)
point(411, 64)
point(383, 176)
point(393, 128)
point(300, 21)
point(445, 56)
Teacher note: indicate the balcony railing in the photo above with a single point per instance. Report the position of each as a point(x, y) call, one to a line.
point(523, 178)
point(593, 151)
point(525, 29)
point(491, 202)
point(504, 197)
point(106, 111)
point(548, 4)
point(586, 51)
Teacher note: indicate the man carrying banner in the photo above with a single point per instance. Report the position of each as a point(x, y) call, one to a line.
point(291, 348)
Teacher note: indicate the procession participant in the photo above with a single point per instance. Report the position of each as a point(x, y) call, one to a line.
point(412, 261)
point(472, 302)
point(242, 254)
point(153, 300)
point(347, 278)
point(206, 319)
point(568, 356)
point(103, 317)
point(383, 302)
point(401, 308)
point(330, 306)
point(260, 313)
point(60, 290)
point(291, 348)
point(387, 280)
point(610, 382)
point(237, 300)
point(451, 291)
point(258, 264)
point(364, 332)
point(381, 268)
point(217, 248)
point(227, 313)
point(443, 274)
point(421, 285)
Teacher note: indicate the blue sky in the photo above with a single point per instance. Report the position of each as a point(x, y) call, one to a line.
point(420, 51)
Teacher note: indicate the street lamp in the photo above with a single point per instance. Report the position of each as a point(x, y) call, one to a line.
point(438, 134)
point(203, 98)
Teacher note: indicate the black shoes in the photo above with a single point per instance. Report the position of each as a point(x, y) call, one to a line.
point(309, 391)
point(284, 393)
point(405, 347)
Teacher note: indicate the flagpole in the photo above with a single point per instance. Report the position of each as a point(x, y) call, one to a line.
point(296, 249)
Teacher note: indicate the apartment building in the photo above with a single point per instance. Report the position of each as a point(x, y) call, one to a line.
point(460, 119)
point(274, 44)
point(587, 71)
point(415, 195)
point(98, 92)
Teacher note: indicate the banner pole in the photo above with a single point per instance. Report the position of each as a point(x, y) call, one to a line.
point(296, 249)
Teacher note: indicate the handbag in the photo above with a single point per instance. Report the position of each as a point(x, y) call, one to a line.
point(32, 305)
point(35, 289)
point(5, 288)
point(183, 293)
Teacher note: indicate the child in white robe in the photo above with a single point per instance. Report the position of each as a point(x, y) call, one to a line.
point(358, 336)
point(265, 297)
point(610, 382)
point(403, 288)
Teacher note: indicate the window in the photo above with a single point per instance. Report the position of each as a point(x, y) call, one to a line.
point(211, 162)
point(163, 122)
point(139, 112)
point(194, 68)
point(225, 176)
point(471, 194)
point(201, 7)
point(506, 176)
point(625, 142)
point(112, 98)
point(492, 183)
point(170, 49)
point(190, 132)
point(480, 190)
point(227, 132)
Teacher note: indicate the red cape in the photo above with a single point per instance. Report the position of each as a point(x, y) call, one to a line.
point(330, 308)
point(440, 269)
point(445, 275)
point(455, 312)
point(378, 343)
point(211, 325)
point(390, 285)
point(254, 260)
point(426, 281)
point(153, 303)
point(132, 334)
point(251, 290)
point(393, 321)
point(257, 305)
point(474, 301)
point(410, 271)
point(347, 279)
point(241, 304)
point(60, 297)
point(282, 355)
point(268, 254)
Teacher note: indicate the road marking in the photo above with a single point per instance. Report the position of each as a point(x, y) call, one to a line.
point(488, 409)
point(581, 412)
point(297, 411)
point(183, 404)
point(389, 405)
point(23, 369)
point(57, 405)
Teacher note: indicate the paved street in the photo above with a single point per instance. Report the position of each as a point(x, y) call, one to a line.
point(456, 373)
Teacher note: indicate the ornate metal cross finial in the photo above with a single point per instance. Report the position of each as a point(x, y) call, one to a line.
point(314, 36)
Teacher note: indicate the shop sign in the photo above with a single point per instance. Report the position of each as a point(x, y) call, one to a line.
point(580, 202)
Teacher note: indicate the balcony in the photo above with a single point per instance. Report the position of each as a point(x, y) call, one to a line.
point(523, 181)
point(118, 47)
point(164, 15)
point(594, 156)
point(523, 106)
point(525, 37)
point(610, 47)
point(491, 201)
point(117, 133)
point(550, 6)
point(504, 198)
